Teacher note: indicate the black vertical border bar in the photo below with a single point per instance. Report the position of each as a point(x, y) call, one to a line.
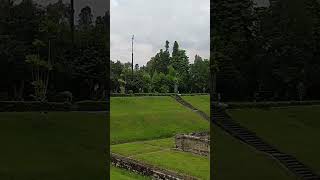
point(107, 146)
point(212, 94)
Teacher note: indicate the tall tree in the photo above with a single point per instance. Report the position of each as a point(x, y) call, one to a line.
point(175, 49)
point(85, 17)
point(180, 62)
point(232, 39)
point(199, 75)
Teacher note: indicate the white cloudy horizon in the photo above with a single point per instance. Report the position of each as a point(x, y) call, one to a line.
point(153, 22)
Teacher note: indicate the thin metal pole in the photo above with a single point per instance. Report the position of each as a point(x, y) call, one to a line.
point(132, 59)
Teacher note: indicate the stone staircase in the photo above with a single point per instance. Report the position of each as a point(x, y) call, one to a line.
point(224, 121)
point(190, 106)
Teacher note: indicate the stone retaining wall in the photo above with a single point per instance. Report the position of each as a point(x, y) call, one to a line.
point(197, 143)
point(145, 169)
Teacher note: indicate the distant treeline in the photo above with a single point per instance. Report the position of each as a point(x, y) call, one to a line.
point(165, 73)
point(42, 59)
point(266, 52)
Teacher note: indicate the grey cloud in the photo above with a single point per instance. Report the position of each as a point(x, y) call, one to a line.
point(153, 22)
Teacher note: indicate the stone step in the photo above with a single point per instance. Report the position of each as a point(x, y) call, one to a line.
point(222, 119)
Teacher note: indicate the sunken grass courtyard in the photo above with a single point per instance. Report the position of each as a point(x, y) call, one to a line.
point(143, 129)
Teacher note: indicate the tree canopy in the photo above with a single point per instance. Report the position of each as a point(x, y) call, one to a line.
point(165, 72)
point(33, 36)
point(270, 52)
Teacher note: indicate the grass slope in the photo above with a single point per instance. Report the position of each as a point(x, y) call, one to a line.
point(290, 129)
point(160, 153)
point(59, 145)
point(147, 118)
point(120, 174)
point(234, 160)
point(199, 102)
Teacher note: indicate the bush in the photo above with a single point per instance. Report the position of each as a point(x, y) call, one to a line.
point(65, 96)
point(195, 94)
point(130, 92)
point(91, 106)
point(234, 105)
point(21, 106)
point(154, 94)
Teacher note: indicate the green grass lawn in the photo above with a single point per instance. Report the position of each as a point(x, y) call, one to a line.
point(234, 160)
point(60, 145)
point(160, 153)
point(147, 118)
point(120, 174)
point(294, 130)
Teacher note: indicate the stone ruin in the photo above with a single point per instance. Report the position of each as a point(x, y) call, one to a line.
point(197, 143)
point(147, 170)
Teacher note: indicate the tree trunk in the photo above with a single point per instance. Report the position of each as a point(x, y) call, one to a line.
point(15, 91)
point(21, 89)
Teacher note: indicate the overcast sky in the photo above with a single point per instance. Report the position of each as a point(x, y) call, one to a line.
point(155, 21)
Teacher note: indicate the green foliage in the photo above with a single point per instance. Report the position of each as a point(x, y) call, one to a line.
point(38, 39)
point(91, 106)
point(159, 82)
point(199, 71)
point(267, 105)
point(40, 72)
point(155, 94)
point(162, 74)
point(85, 17)
point(266, 49)
point(21, 106)
point(65, 96)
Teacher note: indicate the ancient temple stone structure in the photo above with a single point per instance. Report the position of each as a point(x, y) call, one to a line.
point(197, 143)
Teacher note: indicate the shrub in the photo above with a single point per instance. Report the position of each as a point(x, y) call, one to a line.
point(154, 94)
point(20, 106)
point(91, 106)
point(234, 105)
point(65, 96)
point(130, 92)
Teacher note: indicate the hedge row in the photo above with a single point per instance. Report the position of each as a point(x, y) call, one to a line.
point(91, 106)
point(10, 106)
point(154, 94)
point(17, 106)
point(234, 105)
point(21, 106)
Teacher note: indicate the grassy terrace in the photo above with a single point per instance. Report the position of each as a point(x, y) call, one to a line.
point(234, 160)
point(159, 153)
point(147, 118)
point(58, 145)
point(289, 129)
